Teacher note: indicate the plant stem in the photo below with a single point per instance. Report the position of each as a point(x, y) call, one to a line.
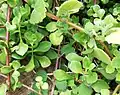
point(56, 67)
point(7, 41)
point(116, 89)
point(29, 88)
point(95, 1)
point(2, 26)
point(80, 29)
point(69, 23)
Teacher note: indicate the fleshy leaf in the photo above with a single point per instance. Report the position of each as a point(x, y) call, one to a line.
point(91, 77)
point(22, 48)
point(99, 85)
point(51, 26)
point(75, 66)
point(61, 75)
point(101, 55)
point(43, 46)
point(44, 61)
point(3, 89)
point(69, 7)
point(30, 66)
point(6, 69)
point(73, 57)
point(56, 38)
point(39, 12)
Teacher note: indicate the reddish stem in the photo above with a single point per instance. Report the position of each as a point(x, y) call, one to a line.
point(95, 1)
point(7, 41)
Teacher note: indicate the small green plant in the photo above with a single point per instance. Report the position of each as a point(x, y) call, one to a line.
point(72, 46)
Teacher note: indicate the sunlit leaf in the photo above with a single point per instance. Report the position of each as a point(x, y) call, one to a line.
point(39, 12)
point(73, 57)
point(69, 7)
point(75, 66)
point(44, 61)
point(56, 38)
point(61, 75)
point(22, 48)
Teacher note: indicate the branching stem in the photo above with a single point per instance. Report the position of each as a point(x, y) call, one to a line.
point(80, 29)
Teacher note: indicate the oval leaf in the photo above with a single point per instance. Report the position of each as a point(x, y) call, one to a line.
point(39, 12)
point(75, 66)
point(101, 55)
point(56, 38)
point(69, 7)
point(22, 48)
point(73, 57)
point(99, 85)
point(44, 61)
point(44, 46)
point(61, 75)
point(30, 66)
point(51, 26)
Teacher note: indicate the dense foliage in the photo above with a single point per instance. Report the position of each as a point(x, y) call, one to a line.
point(72, 46)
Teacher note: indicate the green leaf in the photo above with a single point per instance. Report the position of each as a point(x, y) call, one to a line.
point(22, 48)
point(115, 62)
point(39, 12)
point(105, 92)
point(73, 57)
point(51, 54)
point(44, 61)
point(86, 62)
point(110, 19)
point(84, 90)
point(81, 37)
point(56, 38)
point(1, 1)
point(96, 8)
point(3, 89)
point(99, 85)
point(15, 64)
point(12, 3)
point(61, 75)
point(101, 55)
point(75, 66)
point(43, 74)
point(43, 46)
point(113, 37)
point(45, 85)
point(105, 1)
point(6, 69)
point(92, 77)
point(38, 78)
point(101, 13)
point(51, 26)
point(69, 7)
point(110, 69)
point(61, 85)
point(30, 66)
point(3, 57)
point(30, 37)
point(88, 27)
point(118, 76)
point(107, 75)
point(66, 49)
point(15, 76)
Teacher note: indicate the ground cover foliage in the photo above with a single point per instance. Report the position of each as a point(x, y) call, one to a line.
point(72, 46)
